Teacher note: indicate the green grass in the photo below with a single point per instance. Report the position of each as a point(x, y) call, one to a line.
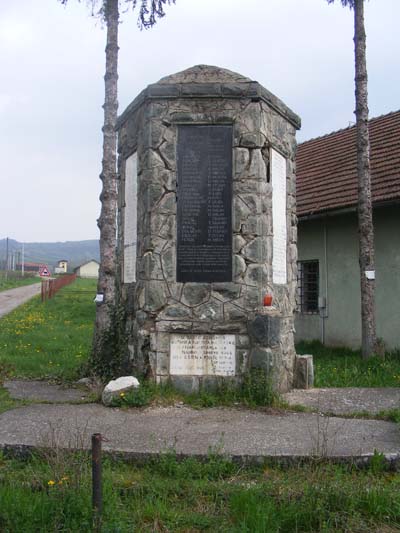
point(50, 339)
point(53, 340)
point(15, 279)
point(255, 390)
point(342, 367)
point(53, 493)
point(7, 403)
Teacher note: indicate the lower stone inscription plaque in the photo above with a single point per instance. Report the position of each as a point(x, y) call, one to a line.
point(202, 355)
point(204, 210)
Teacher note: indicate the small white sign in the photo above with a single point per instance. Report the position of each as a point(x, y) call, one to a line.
point(202, 355)
point(370, 274)
point(279, 241)
point(130, 219)
point(99, 299)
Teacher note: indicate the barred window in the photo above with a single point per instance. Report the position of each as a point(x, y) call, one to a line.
point(307, 286)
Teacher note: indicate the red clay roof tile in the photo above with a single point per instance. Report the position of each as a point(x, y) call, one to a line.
point(327, 167)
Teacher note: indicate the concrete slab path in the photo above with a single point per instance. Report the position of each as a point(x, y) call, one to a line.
point(345, 401)
point(42, 391)
point(240, 433)
point(13, 298)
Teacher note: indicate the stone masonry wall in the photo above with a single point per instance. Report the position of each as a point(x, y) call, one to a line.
point(157, 304)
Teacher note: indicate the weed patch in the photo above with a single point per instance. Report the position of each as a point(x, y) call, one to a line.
point(6, 402)
point(255, 390)
point(182, 496)
point(342, 367)
point(112, 358)
point(138, 397)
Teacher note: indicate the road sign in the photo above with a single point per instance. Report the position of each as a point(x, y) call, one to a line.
point(44, 271)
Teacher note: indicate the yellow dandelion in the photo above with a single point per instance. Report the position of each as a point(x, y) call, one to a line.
point(122, 394)
point(51, 482)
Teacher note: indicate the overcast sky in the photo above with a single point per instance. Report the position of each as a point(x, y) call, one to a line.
point(52, 66)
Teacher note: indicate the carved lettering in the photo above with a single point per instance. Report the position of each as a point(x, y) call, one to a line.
point(204, 240)
point(202, 355)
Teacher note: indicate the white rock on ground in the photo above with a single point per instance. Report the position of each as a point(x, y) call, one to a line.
point(84, 381)
point(116, 386)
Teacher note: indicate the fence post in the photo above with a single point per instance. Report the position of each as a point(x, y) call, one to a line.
point(45, 289)
point(51, 286)
point(97, 501)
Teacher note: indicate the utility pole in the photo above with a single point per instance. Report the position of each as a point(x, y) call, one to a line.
point(6, 258)
point(23, 259)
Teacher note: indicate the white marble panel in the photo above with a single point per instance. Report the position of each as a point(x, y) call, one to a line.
point(278, 180)
point(202, 355)
point(130, 219)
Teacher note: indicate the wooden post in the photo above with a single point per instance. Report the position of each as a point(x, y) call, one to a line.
point(97, 502)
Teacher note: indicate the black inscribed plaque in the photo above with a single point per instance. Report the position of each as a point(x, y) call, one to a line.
point(204, 224)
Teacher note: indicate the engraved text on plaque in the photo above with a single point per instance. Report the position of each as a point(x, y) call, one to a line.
point(204, 224)
point(202, 355)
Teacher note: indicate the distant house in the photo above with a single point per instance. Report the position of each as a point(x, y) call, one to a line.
point(62, 267)
point(328, 268)
point(90, 269)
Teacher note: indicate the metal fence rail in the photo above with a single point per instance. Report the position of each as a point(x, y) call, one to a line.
point(51, 286)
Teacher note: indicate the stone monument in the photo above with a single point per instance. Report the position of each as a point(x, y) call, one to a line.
point(207, 229)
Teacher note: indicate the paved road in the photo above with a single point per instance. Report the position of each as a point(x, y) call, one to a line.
point(12, 298)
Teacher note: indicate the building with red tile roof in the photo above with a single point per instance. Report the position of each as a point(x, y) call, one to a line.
point(329, 277)
point(30, 266)
point(327, 167)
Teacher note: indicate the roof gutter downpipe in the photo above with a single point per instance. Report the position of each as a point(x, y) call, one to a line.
point(324, 307)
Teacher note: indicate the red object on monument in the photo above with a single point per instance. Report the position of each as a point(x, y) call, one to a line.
point(267, 300)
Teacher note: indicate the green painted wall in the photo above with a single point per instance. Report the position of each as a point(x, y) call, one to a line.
point(340, 277)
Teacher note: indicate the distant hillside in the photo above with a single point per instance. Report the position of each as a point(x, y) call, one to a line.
point(75, 252)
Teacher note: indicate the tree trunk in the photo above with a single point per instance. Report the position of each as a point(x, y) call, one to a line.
point(365, 225)
point(108, 176)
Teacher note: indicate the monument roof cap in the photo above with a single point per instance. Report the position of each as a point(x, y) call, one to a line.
point(205, 74)
point(207, 81)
